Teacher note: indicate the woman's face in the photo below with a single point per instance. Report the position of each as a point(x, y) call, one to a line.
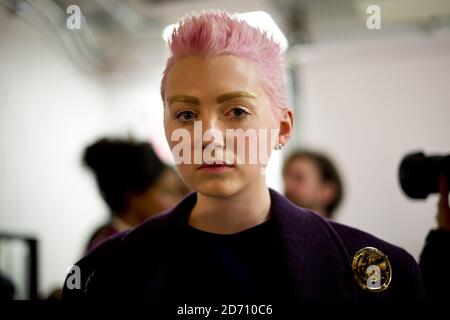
point(222, 93)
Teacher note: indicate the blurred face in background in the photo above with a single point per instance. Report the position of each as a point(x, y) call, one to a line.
point(162, 195)
point(203, 80)
point(304, 186)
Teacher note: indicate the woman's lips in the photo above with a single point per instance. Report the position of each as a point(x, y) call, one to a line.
point(215, 167)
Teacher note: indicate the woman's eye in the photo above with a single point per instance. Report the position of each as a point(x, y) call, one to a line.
point(239, 113)
point(185, 116)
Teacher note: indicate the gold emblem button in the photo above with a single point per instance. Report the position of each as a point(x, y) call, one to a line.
point(372, 269)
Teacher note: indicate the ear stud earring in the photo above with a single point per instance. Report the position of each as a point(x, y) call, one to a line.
point(279, 146)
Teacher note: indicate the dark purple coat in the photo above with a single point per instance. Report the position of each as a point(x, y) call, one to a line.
point(318, 255)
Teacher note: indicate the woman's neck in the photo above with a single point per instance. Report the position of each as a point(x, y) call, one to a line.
point(239, 212)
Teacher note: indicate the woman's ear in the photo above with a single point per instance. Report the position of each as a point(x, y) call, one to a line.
point(286, 125)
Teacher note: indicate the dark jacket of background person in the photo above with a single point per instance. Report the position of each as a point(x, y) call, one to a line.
point(435, 257)
point(435, 263)
point(134, 265)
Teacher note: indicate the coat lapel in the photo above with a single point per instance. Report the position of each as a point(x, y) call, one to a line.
point(318, 264)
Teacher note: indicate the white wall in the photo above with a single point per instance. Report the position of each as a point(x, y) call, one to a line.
point(367, 104)
point(48, 112)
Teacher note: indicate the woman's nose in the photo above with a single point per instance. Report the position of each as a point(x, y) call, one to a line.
point(213, 131)
point(210, 122)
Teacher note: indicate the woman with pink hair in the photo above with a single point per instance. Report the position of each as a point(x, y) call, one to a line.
point(234, 239)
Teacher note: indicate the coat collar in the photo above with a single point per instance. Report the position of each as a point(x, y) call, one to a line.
point(317, 261)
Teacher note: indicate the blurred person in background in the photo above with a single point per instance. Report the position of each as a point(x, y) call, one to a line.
point(312, 181)
point(134, 183)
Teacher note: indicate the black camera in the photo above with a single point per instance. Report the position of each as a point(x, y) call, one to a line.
point(419, 174)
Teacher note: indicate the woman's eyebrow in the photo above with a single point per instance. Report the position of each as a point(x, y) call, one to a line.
point(219, 99)
point(182, 98)
point(233, 95)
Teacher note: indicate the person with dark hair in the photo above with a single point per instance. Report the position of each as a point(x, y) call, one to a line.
point(133, 181)
point(311, 180)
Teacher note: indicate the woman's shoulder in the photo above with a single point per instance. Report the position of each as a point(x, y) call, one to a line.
point(351, 242)
point(146, 233)
point(146, 237)
point(406, 274)
point(83, 270)
point(353, 239)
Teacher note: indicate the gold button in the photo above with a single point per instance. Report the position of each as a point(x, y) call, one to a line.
point(372, 269)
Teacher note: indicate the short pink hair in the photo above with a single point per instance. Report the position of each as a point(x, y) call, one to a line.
point(216, 33)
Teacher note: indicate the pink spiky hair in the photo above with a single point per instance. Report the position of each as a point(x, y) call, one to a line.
point(216, 33)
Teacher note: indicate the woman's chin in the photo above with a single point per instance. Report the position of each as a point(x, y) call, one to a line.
point(218, 189)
